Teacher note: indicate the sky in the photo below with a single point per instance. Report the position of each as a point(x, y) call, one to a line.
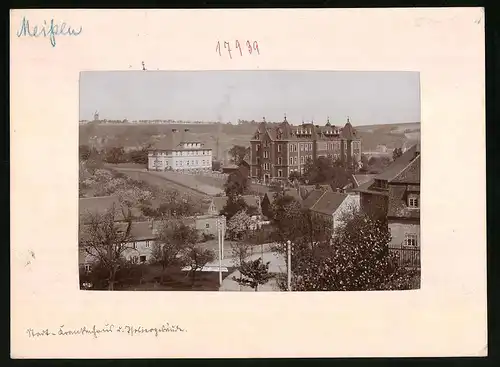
point(366, 97)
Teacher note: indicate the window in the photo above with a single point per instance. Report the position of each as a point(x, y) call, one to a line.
point(295, 160)
point(311, 146)
point(280, 161)
point(143, 259)
point(88, 268)
point(280, 173)
point(413, 201)
point(257, 147)
point(188, 163)
point(410, 240)
point(291, 160)
point(266, 166)
point(302, 159)
point(307, 147)
point(279, 147)
point(207, 225)
point(301, 147)
point(266, 154)
point(147, 244)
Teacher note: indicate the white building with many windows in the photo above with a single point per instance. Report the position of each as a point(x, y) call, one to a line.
point(180, 151)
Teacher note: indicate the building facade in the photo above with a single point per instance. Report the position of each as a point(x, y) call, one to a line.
point(180, 151)
point(279, 149)
point(395, 196)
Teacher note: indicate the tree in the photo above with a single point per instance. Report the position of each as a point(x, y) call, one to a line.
point(174, 238)
point(294, 176)
point(196, 258)
point(107, 241)
point(216, 165)
point(236, 184)
point(358, 259)
point(364, 163)
point(115, 155)
point(326, 170)
point(254, 273)
point(84, 151)
point(139, 156)
point(396, 153)
point(237, 153)
point(94, 161)
point(239, 225)
point(234, 205)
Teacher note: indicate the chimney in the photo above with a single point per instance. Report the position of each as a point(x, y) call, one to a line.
point(174, 130)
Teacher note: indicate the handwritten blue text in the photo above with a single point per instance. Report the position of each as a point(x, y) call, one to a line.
point(48, 29)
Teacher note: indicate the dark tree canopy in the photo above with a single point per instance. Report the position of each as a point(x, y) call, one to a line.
point(325, 170)
point(254, 273)
point(236, 184)
point(237, 153)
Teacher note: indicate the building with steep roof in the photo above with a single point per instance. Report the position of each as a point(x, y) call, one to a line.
point(330, 205)
point(279, 149)
point(179, 151)
point(394, 195)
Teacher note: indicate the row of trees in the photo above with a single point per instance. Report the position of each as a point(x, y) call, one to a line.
point(114, 155)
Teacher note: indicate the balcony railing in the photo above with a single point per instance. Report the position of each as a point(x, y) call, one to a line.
point(407, 256)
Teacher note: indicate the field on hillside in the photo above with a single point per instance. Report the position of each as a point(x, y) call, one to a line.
point(137, 135)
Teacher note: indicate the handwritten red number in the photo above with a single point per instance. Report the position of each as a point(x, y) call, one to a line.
point(217, 49)
point(256, 47)
point(249, 47)
point(238, 47)
point(226, 45)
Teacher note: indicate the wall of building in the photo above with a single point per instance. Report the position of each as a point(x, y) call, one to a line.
point(350, 204)
point(207, 224)
point(374, 204)
point(398, 229)
point(194, 159)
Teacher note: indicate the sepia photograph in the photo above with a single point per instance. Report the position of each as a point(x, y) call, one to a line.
point(262, 181)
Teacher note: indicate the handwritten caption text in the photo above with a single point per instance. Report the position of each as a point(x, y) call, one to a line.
point(107, 329)
point(48, 29)
point(248, 46)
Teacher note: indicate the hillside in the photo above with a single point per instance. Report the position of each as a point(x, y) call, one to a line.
point(137, 135)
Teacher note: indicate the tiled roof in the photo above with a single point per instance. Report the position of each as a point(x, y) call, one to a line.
point(306, 131)
point(139, 231)
point(174, 139)
point(398, 165)
point(99, 205)
point(328, 203)
point(312, 198)
point(362, 179)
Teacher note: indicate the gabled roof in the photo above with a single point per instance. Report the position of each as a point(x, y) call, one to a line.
point(362, 179)
point(348, 132)
point(139, 231)
point(312, 198)
point(398, 165)
point(328, 203)
point(174, 140)
point(305, 131)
